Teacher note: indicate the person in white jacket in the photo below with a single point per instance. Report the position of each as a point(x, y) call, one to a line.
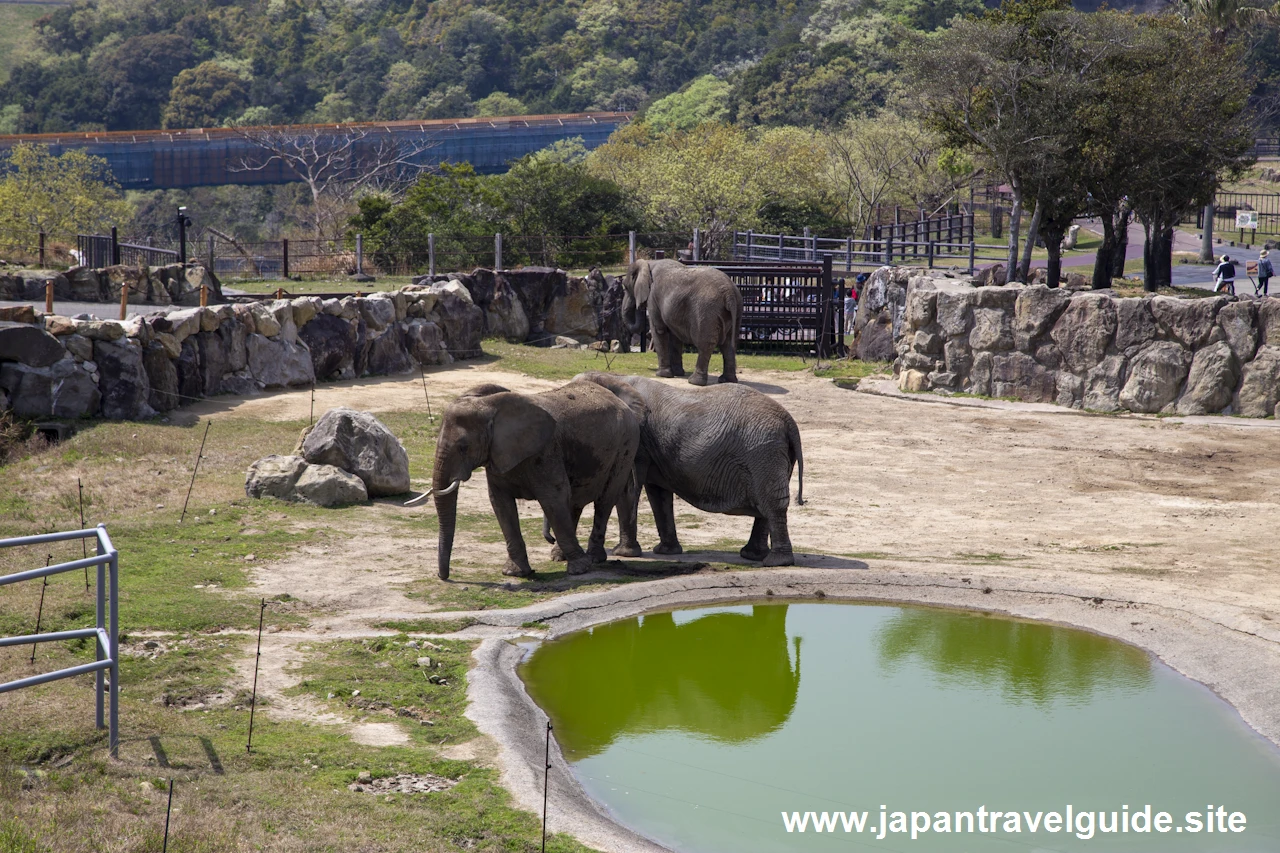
point(1224, 277)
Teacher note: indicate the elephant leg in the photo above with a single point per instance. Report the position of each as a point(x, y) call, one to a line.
point(757, 547)
point(556, 507)
point(662, 347)
point(699, 376)
point(628, 509)
point(599, 529)
point(504, 509)
point(676, 357)
point(557, 553)
point(729, 352)
point(660, 501)
point(780, 553)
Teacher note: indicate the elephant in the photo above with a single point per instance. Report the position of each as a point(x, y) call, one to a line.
point(565, 449)
point(724, 449)
point(687, 306)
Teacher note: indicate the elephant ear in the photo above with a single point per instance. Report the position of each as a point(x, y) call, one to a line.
point(631, 397)
point(520, 429)
point(641, 282)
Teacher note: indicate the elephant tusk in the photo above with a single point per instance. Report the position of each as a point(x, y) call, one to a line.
point(429, 492)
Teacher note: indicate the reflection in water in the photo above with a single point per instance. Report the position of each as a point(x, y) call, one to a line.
point(1026, 662)
point(726, 676)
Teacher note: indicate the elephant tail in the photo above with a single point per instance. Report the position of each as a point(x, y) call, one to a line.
point(546, 530)
point(797, 456)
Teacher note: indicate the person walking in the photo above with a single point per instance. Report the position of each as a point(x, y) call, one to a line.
point(1265, 271)
point(1224, 277)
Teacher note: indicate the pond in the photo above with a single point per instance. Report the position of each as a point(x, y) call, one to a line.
point(790, 727)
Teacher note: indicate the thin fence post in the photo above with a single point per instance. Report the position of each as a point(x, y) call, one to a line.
point(124, 299)
point(211, 255)
point(100, 620)
point(697, 244)
point(929, 250)
point(284, 257)
point(973, 252)
point(497, 252)
point(167, 812)
point(257, 659)
point(113, 733)
point(848, 254)
point(115, 246)
point(546, 784)
point(48, 296)
point(359, 254)
point(194, 469)
point(888, 249)
point(631, 248)
point(808, 255)
point(41, 248)
point(431, 254)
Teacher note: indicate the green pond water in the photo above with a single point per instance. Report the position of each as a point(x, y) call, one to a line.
point(701, 728)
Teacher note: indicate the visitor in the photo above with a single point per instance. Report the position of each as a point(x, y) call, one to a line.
point(851, 302)
point(1224, 277)
point(1265, 271)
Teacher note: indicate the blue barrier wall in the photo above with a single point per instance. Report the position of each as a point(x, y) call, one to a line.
point(177, 159)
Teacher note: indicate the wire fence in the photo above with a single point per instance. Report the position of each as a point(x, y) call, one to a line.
point(37, 248)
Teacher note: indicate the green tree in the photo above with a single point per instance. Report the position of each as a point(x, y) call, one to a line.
point(65, 195)
point(705, 99)
point(205, 96)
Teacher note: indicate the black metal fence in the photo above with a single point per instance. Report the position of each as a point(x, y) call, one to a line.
point(104, 250)
point(1227, 205)
point(928, 242)
point(789, 308)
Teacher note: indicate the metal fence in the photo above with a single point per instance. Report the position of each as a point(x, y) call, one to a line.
point(788, 308)
point(106, 631)
point(104, 250)
point(36, 247)
point(1226, 205)
point(891, 244)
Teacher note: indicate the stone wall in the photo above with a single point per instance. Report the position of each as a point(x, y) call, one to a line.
point(1088, 349)
point(174, 284)
point(70, 368)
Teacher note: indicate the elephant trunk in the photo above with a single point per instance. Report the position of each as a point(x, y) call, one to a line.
point(447, 516)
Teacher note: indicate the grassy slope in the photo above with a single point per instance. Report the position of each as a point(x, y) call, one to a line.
point(16, 32)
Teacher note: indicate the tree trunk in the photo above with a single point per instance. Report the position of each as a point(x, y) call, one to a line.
point(1015, 220)
point(1033, 233)
point(1150, 277)
point(1164, 256)
point(1053, 235)
point(1105, 259)
point(1122, 243)
point(1206, 235)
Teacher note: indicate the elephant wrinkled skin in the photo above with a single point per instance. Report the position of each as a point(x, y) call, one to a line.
point(724, 449)
point(687, 306)
point(565, 449)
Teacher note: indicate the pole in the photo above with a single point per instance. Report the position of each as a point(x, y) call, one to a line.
point(497, 252)
point(284, 256)
point(423, 373)
point(204, 296)
point(631, 248)
point(48, 296)
point(115, 246)
point(546, 784)
point(168, 811)
point(124, 299)
point(313, 403)
point(697, 244)
point(888, 249)
point(194, 469)
point(41, 249)
point(40, 611)
point(359, 254)
point(431, 254)
point(1206, 235)
point(84, 546)
point(253, 701)
point(211, 252)
point(182, 238)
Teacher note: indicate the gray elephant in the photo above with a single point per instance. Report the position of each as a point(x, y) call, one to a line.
point(723, 449)
point(687, 306)
point(565, 449)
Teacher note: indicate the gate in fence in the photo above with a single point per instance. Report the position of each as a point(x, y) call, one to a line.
point(106, 633)
point(102, 250)
point(794, 308)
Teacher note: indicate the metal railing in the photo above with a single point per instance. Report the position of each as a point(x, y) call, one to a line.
point(849, 253)
point(104, 250)
point(106, 632)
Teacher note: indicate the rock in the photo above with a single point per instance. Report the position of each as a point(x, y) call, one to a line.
point(377, 313)
point(1215, 370)
point(304, 309)
point(564, 342)
point(169, 342)
point(101, 330)
point(426, 343)
point(162, 377)
point(1155, 377)
point(276, 363)
point(958, 356)
point(386, 354)
point(240, 384)
point(992, 276)
point(882, 309)
point(181, 324)
point(243, 315)
point(1135, 324)
point(358, 443)
point(1269, 321)
point(264, 320)
point(955, 307)
point(325, 485)
point(1259, 384)
point(1103, 384)
point(123, 380)
point(190, 379)
point(233, 336)
point(214, 363)
point(135, 279)
point(922, 303)
point(183, 283)
point(31, 285)
point(572, 311)
point(209, 319)
point(991, 330)
point(979, 381)
point(875, 340)
point(61, 390)
point(18, 314)
point(913, 381)
point(274, 476)
point(1192, 322)
point(1239, 324)
point(86, 285)
point(504, 314)
point(331, 342)
point(460, 320)
point(1084, 330)
point(1070, 389)
point(927, 343)
point(1076, 281)
point(79, 346)
point(29, 344)
point(1016, 374)
point(1035, 311)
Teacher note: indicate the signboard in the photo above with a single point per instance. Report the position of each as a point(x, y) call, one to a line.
point(1247, 219)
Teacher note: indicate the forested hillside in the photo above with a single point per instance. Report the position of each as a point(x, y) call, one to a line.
point(136, 64)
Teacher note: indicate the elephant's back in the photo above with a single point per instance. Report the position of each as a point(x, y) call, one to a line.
point(596, 431)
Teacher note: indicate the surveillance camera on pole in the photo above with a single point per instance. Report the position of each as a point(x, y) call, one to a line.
point(184, 222)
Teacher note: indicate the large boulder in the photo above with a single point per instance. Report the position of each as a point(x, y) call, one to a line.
point(162, 376)
point(1155, 377)
point(276, 363)
point(1103, 384)
point(190, 379)
point(504, 314)
point(135, 280)
point(426, 343)
point(1135, 325)
point(1191, 322)
point(123, 380)
point(274, 476)
point(536, 288)
point(214, 363)
point(955, 309)
point(1239, 323)
point(1035, 311)
point(358, 443)
point(325, 485)
point(377, 312)
point(1215, 370)
point(1018, 375)
point(1084, 330)
point(62, 390)
point(332, 342)
point(572, 311)
point(1260, 384)
point(31, 285)
point(386, 354)
point(882, 309)
point(29, 344)
point(459, 318)
point(992, 330)
point(85, 285)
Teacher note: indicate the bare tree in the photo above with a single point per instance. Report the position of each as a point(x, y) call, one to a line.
point(338, 163)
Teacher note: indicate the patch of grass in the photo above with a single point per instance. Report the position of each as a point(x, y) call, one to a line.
point(17, 38)
point(428, 626)
point(993, 557)
point(1131, 287)
point(329, 284)
point(390, 683)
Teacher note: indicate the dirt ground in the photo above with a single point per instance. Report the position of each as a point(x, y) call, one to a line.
point(1175, 514)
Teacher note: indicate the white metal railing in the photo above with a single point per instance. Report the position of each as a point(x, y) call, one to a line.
point(106, 632)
